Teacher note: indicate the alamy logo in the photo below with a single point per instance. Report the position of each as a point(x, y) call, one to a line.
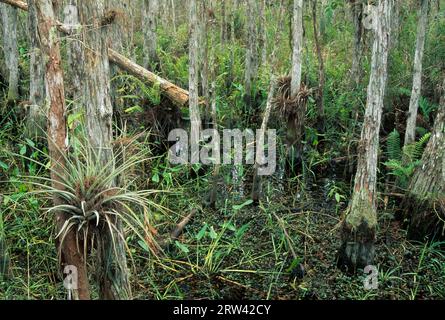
point(70, 280)
point(371, 281)
point(191, 151)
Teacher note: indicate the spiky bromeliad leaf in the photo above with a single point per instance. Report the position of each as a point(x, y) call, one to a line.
point(89, 195)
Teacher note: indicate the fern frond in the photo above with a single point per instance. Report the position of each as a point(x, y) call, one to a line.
point(414, 151)
point(393, 148)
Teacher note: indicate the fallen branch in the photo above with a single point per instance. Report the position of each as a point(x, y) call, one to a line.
point(176, 94)
point(174, 235)
point(16, 3)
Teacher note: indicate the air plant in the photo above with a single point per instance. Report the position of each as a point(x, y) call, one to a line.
point(95, 197)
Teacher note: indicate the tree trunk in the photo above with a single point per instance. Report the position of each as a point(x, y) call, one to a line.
point(74, 50)
point(359, 224)
point(195, 118)
point(114, 275)
point(321, 73)
point(151, 8)
point(223, 22)
point(251, 71)
point(425, 200)
point(295, 125)
point(395, 24)
point(173, 15)
point(10, 49)
point(410, 133)
point(70, 255)
point(297, 46)
point(357, 54)
point(262, 37)
point(36, 120)
point(256, 185)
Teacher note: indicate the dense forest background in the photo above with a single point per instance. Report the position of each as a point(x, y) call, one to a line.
point(90, 90)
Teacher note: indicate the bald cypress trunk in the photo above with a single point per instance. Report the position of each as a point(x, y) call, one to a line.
point(360, 221)
point(113, 273)
point(297, 46)
point(321, 72)
point(295, 124)
point(10, 49)
point(251, 69)
point(74, 50)
point(357, 19)
point(36, 119)
point(195, 118)
point(410, 134)
point(425, 200)
point(70, 254)
point(150, 17)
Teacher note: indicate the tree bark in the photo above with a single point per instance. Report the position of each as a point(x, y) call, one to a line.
point(150, 13)
point(173, 15)
point(295, 124)
point(55, 94)
point(321, 72)
point(36, 120)
point(223, 22)
point(195, 118)
point(74, 50)
point(410, 133)
point(256, 185)
point(251, 70)
point(360, 221)
point(10, 48)
point(357, 54)
point(113, 275)
point(297, 47)
point(425, 200)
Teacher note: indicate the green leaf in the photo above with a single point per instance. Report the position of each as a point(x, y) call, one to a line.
point(30, 142)
point(134, 109)
point(213, 235)
point(3, 165)
point(229, 226)
point(155, 178)
point(240, 206)
point(294, 264)
point(143, 245)
point(240, 232)
point(73, 118)
point(23, 150)
point(337, 197)
point(201, 232)
point(182, 247)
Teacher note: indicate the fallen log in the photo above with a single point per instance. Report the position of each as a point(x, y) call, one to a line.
point(176, 94)
point(16, 3)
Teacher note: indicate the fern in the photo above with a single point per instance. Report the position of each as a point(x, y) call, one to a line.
point(426, 107)
point(414, 151)
point(401, 171)
point(403, 162)
point(393, 149)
